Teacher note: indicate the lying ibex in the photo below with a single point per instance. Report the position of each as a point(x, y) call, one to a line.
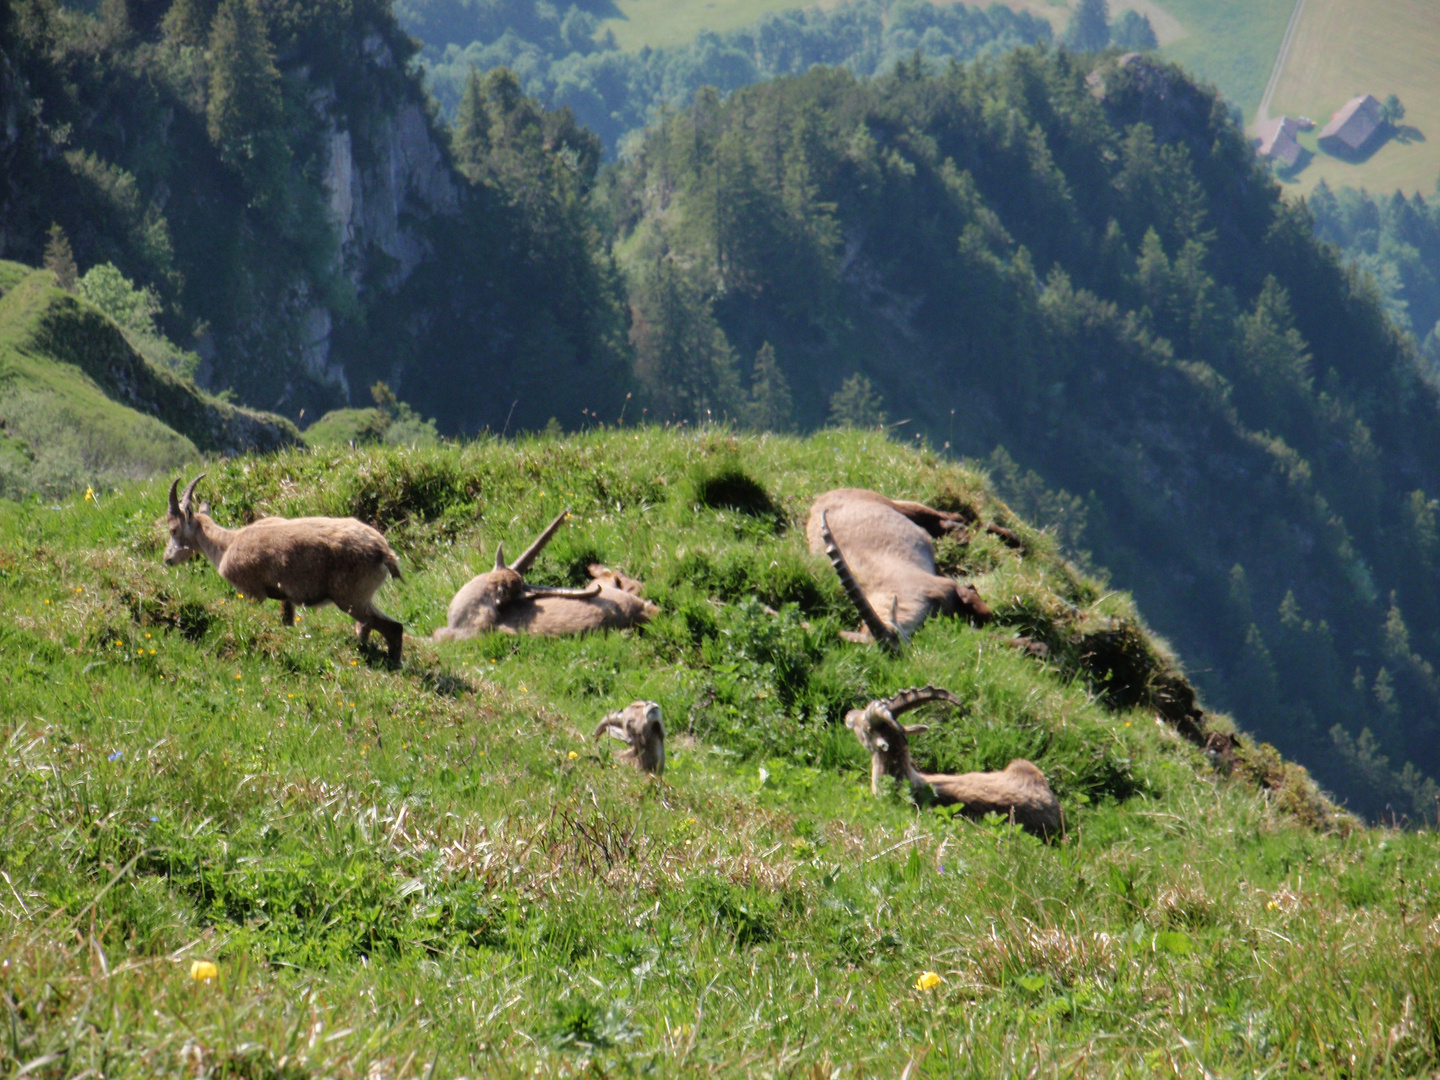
point(306, 561)
point(882, 551)
point(1019, 792)
point(639, 725)
point(501, 600)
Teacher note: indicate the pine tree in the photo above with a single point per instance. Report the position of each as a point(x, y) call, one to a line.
point(60, 260)
point(1131, 30)
point(857, 404)
point(1089, 29)
point(244, 84)
point(115, 20)
point(771, 407)
point(187, 23)
point(682, 359)
point(470, 136)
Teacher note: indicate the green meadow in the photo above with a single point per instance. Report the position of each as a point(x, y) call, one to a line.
point(437, 871)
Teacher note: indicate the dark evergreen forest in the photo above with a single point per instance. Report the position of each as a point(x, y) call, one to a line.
point(561, 59)
point(275, 172)
point(1396, 240)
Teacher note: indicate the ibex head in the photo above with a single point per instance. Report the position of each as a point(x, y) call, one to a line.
point(885, 739)
point(641, 728)
point(183, 523)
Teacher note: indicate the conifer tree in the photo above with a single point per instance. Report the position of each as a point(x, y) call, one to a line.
point(771, 407)
point(857, 404)
point(244, 84)
point(1131, 30)
point(470, 137)
point(60, 260)
point(682, 358)
point(187, 23)
point(1089, 29)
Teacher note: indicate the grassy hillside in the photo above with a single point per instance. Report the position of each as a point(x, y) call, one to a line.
point(80, 406)
point(1348, 47)
point(436, 872)
point(62, 431)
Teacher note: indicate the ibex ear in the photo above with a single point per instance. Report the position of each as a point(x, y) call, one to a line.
point(205, 508)
point(915, 729)
point(882, 743)
point(618, 732)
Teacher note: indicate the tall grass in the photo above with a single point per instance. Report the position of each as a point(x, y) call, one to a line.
point(436, 872)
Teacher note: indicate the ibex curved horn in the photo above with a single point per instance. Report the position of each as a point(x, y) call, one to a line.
point(584, 593)
point(174, 499)
point(530, 554)
point(189, 494)
point(882, 633)
point(500, 556)
point(913, 698)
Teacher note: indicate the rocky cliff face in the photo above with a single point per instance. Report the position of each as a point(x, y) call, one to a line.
point(384, 188)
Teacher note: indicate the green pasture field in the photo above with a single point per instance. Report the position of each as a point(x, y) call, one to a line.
point(1347, 47)
point(1232, 43)
point(436, 871)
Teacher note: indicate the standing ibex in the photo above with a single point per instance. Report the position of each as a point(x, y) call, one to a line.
point(501, 600)
point(639, 726)
point(1019, 791)
point(306, 561)
point(882, 551)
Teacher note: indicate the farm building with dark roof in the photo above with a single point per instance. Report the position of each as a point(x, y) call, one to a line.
point(1352, 126)
point(1277, 141)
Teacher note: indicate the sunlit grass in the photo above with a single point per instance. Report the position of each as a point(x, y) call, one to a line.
point(437, 871)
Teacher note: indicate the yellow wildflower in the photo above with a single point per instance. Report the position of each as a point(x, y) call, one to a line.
point(237, 675)
point(928, 980)
point(571, 756)
point(89, 494)
point(204, 971)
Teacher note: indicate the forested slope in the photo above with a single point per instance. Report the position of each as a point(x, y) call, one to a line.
point(1092, 273)
point(274, 172)
point(561, 60)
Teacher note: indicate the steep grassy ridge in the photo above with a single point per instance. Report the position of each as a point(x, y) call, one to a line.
point(435, 872)
point(61, 428)
point(79, 406)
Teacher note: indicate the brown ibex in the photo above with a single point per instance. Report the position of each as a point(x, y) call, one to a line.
point(1018, 792)
point(882, 551)
point(641, 728)
point(305, 561)
point(500, 599)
